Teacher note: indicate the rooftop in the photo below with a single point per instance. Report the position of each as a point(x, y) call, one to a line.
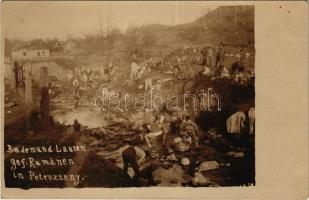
point(32, 46)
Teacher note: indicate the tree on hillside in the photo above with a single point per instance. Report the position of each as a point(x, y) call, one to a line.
point(10, 44)
point(7, 47)
point(53, 45)
point(101, 42)
point(111, 37)
point(132, 40)
point(149, 39)
point(192, 33)
point(91, 43)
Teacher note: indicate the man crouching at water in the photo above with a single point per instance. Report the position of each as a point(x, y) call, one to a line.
point(132, 156)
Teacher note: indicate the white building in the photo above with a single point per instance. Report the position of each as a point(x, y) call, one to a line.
point(30, 52)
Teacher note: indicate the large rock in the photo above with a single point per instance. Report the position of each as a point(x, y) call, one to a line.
point(208, 165)
point(172, 176)
point(181, 146)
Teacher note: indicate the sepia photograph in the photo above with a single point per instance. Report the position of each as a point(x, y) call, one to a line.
point(128, 94)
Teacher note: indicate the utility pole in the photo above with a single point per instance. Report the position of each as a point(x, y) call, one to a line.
point(101, 36)
point(14, 75)
point(101, 30)
point(220, 14)
point(235, 14)
point(28, 84)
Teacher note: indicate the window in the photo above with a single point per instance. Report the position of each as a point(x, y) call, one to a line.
point(43, 53)
point(39, 54)
point(25, 53)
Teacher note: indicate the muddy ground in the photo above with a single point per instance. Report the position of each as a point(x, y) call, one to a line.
point(100, 172)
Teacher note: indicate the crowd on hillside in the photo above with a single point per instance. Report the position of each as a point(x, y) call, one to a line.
point(185, 63)
point(221, 61)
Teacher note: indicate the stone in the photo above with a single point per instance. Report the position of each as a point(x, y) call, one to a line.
point(208, 165)
point(177, 140)
point(200, 178)
point(171, 157)
point(181, 146)
point(185, 161)
point(236, 154)
point(172, 176)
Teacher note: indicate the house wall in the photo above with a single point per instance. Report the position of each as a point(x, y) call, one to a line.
point(9, 73)
point(20, 54)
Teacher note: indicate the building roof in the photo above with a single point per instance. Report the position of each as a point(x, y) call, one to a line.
point(32, 46)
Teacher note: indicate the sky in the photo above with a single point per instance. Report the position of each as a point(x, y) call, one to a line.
point(30, 20)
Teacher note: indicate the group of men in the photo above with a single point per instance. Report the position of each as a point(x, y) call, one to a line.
point(83, 79)
point(221, 57)
point(142, 70)
point(166, 126)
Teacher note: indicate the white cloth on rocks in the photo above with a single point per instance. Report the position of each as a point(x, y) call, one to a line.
point(134, 69)
point(251, 115)
point(235, 123)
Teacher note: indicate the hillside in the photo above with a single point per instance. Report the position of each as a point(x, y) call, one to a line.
point(232, 25)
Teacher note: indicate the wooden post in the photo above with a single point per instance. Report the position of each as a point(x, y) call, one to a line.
point(44, 107)
point(28, 84)
point(43, 77)
point(14, 72)
point(44, 102)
